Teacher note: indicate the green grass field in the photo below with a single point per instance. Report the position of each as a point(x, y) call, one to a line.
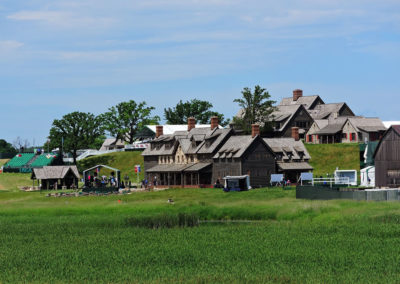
point(205, 236)
point(263, 235)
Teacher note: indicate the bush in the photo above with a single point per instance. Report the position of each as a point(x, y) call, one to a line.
point(164, 221)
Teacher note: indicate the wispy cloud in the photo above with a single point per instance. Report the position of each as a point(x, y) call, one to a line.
point(8, 45)
point(61, 18)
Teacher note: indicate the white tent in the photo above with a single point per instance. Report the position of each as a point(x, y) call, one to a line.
point(368, 176)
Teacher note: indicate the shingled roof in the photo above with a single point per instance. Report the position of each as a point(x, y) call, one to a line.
point(235, 147)
point(325, 111)
point(367, 124)
point(284, 146)
point(55, 172)
point(334, 126)
point(306, 101)
point(195, 141)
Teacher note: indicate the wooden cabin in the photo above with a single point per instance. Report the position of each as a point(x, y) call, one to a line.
point(387, 159)
point(56, 177)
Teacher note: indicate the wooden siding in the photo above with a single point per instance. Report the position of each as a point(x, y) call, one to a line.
point(149, 162)
point(259, 162)
point(387, 161)
point(300, 116)
point(226, 167)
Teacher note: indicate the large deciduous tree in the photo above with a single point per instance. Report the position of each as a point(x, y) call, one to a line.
point(126, 119)
point(74, 131)
point(6, 147)
point(256, 107)
point(200, 110)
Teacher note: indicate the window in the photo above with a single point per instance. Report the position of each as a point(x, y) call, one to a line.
point(302, 124)
point(310, 138)
point(179, 160)
point(344, 136)
point(192, 159)
point(353, 137)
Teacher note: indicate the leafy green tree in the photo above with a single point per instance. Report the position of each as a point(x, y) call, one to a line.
point(74, 131)
point(200, 110)
point(126, 119)
point(6, 147)
point(256, 107)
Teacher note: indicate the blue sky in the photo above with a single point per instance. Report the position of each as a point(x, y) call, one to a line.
point(61, 56)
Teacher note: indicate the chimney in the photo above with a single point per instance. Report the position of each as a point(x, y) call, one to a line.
point(159, 131)
point(214, 122)
point(295, 133)
point(191, 123)
point(297, 94)
point(255, 130)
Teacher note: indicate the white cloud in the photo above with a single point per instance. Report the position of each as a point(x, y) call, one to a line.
point(61, 18)
point(8, 45)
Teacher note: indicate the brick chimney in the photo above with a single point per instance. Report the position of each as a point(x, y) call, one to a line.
point(214, 122)
point(159, 131)
point(297, 94)
point(255, 130)
point(295, 133)
point(191, 123)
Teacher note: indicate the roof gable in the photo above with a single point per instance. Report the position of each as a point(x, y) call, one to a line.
point(308, 101)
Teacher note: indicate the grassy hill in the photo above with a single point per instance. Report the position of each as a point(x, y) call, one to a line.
point(124, 161)
point(326, 157)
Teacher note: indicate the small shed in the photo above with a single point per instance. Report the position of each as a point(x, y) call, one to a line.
point(387, 159)
point(56, 177)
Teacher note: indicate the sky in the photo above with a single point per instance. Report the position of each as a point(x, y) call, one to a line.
point(88, 55)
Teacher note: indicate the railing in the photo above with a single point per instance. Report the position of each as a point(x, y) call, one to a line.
point(89, 153)
point(331, 181)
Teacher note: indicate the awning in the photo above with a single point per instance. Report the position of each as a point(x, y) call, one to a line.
point(167, 168)
point(294, 166)
point(197, 167)
point(172, 168)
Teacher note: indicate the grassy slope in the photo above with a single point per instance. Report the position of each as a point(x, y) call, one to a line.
point(124, 161)
point(87, 239)
point(326, 157)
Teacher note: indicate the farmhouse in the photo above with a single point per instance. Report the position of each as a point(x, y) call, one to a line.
point(387, 159)
point(353, 129)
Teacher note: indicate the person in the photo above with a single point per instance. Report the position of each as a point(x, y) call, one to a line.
point(217, 184)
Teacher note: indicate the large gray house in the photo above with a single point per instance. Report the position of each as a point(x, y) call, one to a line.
point(199, 157)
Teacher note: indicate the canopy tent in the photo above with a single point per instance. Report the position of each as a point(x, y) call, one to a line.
point(117, 172)
point(237, 183)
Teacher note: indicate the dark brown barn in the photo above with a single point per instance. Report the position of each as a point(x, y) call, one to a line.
point(387, 159)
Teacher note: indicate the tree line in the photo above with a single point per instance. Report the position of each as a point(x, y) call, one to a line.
point(81, 130)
